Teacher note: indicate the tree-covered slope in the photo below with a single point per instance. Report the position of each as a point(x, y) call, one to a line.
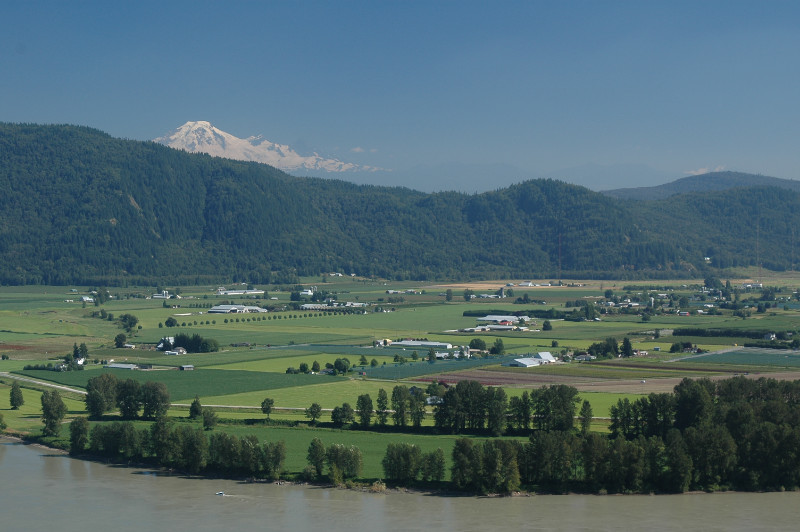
point(712, 181)
point(78, 206)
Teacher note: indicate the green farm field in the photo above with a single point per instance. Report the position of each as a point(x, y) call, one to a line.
point(39, 325)
point(747, 358)
point(184, 385)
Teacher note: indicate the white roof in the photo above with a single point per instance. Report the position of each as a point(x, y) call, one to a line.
point(524, 362)
point(499, 317)
point(545, 355)
point(422, 343)
point(122, 366)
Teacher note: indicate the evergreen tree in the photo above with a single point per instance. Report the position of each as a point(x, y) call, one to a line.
point(627, 348)
point(195, 409)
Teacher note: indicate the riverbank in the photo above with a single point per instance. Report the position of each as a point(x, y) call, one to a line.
point(130, 499)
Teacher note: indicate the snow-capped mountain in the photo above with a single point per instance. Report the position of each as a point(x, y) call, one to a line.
point(202, 137)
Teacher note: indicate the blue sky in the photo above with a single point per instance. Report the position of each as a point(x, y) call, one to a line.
point(539, 87)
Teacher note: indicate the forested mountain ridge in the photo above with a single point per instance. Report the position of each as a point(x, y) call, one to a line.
point(710, 182)
point(78, 206)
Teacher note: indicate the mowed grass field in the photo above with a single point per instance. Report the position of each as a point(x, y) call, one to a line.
point(28, 418)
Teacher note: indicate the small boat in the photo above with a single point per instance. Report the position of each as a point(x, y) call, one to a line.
point(220, 493)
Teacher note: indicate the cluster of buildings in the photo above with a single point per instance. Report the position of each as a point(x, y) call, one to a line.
point(331, 305)
point(494, 322)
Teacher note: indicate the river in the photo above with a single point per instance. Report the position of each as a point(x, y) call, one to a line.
point(45, 490)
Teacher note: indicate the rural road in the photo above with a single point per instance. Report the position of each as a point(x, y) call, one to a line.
point(42, 383)
point(83, 392)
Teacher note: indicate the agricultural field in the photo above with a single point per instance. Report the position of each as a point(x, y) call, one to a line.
point(40, 325)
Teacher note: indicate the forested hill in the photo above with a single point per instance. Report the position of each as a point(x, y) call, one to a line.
point(78, 206)
point(713, 181)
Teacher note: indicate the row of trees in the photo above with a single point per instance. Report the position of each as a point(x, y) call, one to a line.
point(737, 433)
point(466, 407)
point(106, 392)
point(184, 447)
point(404, 463)
point(567, 461)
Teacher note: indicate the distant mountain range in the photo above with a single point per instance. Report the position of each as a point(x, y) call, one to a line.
point(713, 181)
point(202, 137)
point(81, 207)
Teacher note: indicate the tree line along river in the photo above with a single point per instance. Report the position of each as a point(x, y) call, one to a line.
point(43, 489)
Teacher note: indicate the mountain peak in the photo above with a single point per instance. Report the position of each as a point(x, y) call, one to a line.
point(202, 137)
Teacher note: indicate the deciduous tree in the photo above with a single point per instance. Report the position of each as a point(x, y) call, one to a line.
point(119, 340)
point(16, 399)
point(382, 407)
point(266, 406)
point(129, 399)
point(400, 396)
point(586, 417)
point(316, 455)
point(313, 412)
point(364, 408)
point(209, 419)
point(78, 435)
point(53, 412)
point(155, 399)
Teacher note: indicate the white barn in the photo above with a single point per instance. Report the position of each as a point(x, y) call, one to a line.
point(524, 363)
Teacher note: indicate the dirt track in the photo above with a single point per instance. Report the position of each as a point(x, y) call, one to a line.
point(586, 384)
